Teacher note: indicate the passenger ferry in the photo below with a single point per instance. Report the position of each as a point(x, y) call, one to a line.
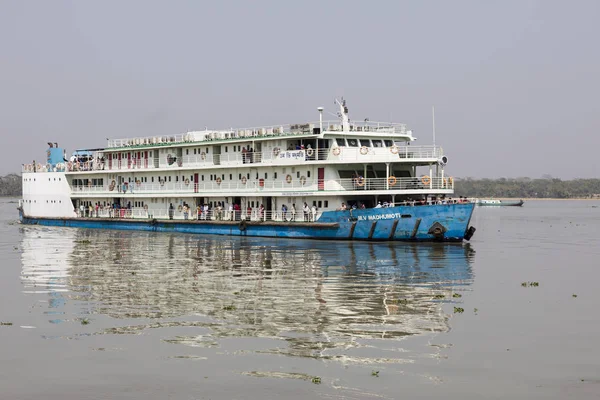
point(343, 180)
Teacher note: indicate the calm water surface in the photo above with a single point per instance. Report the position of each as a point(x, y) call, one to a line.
point(108, 314)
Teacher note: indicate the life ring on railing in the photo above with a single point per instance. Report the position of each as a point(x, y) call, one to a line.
point(288, 178)
point(244, 180)
point(187, 182)
point(179, 208)
point(310, 152)
point(276, 151)
point(336, 151)
point(145, 207)
point(392, 180)
point(394, 149)
point(219, 181)
point(203, 155)
point(138, 183)
point(179, 163)
point(364, 150)
point(162, 182)
point(302, 180)
point(426, 180)
point(112, 185)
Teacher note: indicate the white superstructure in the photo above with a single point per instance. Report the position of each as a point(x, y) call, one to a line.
point(254, 170)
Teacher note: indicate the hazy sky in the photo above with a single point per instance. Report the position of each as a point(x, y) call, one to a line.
point(515, 84)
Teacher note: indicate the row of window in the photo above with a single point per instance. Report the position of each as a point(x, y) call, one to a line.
point(357, 142)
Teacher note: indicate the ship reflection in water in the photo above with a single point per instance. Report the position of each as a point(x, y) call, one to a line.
point(319, 298)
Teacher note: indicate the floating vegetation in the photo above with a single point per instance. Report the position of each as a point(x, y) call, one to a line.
point(530, 284)
point(459, 310)
point(439, 296)
point(574, 295)
point(84, 241)
point(316, 380)
point(229, 308)
point(475, 310)
point(403, 301)
point(5, 323)
point(456, 295)
point(85, 321)
point(375, 373)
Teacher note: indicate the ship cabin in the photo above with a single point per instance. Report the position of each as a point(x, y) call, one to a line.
point(259, 171)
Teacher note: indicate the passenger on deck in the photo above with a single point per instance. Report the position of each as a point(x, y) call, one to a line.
point(378, 205)
point(293, 211)
point(171, 211)
point(306, 210)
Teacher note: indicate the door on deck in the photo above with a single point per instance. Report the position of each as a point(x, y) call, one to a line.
point(110, 157)
point(146, 159)
point(321, 178)
point(129, 160)
point(119, 157)
point(195, 183)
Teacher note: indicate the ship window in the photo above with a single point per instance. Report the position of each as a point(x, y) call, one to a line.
point(248, 175)
point(274, 175)
point(187, 152)
point(203, 177)
point(223, 177)
point(326, 203)
point(230, 177)
point(177, 178)
point(377, 143)
point(152, 179)
point(225, 149)
point(240, 176)
point(194, 151)
point(298, 174)
point(352, 142)
point(308, 174)
point(257, 175)
point(314, 203)
point(320, 204)
point(207, 150)
point(388, 143)
point(365, 142)
point(169, 179)
point(340, 142)
point(191, 177)
point(266, 175)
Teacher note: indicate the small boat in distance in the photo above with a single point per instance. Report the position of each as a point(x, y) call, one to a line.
point(496, 202)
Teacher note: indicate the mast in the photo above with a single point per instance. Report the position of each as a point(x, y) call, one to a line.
point(344, 115)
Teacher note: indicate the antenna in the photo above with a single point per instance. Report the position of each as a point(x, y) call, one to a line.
point(433, 123)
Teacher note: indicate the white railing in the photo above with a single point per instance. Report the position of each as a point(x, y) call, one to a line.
point(261, 131)
point(287, 184)
point(274, 156)
point(60, 167)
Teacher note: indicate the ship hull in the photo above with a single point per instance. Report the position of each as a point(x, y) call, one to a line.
point(403, 223)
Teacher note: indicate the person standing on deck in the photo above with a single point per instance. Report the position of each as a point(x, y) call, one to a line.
point(171, 211)
point(293, 212)
point(306, 210)
point(313, 211)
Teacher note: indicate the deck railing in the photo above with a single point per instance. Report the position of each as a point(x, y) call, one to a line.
point(255, 186)
point(275, 156)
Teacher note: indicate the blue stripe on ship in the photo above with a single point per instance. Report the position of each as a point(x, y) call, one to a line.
point(378, 224)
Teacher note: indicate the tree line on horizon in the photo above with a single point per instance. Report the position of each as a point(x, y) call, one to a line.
point(546, 187)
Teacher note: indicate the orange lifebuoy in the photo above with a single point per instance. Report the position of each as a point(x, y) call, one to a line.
point(394, 149)
point(426, 180)
point(392, 180)
point(336, 151)
point(288, 178)
point(364, 150)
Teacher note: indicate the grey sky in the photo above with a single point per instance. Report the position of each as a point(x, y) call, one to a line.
point(515, 84)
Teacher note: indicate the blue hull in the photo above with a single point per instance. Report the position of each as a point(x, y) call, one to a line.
point(403, 223)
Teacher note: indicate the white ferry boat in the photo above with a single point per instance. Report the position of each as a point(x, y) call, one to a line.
point(334, 180)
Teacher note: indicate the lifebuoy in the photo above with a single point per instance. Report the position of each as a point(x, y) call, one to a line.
point(336, 151)
point(302, 180)
point(112, 185)
point(162, 182)
point(145, 207)
point(244, 180)
point(426, 180)
point(394, 149)
point(219, 181)
point(364, 150)
point(138, 183)
point(276, 151)
point(203, 155)
point(288, 178)
point(179, 163)
point(179, 208)
point(392, 180)
point(187, 182)
point(310, 152)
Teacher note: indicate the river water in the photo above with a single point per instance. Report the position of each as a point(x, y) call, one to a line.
point(93, 314)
